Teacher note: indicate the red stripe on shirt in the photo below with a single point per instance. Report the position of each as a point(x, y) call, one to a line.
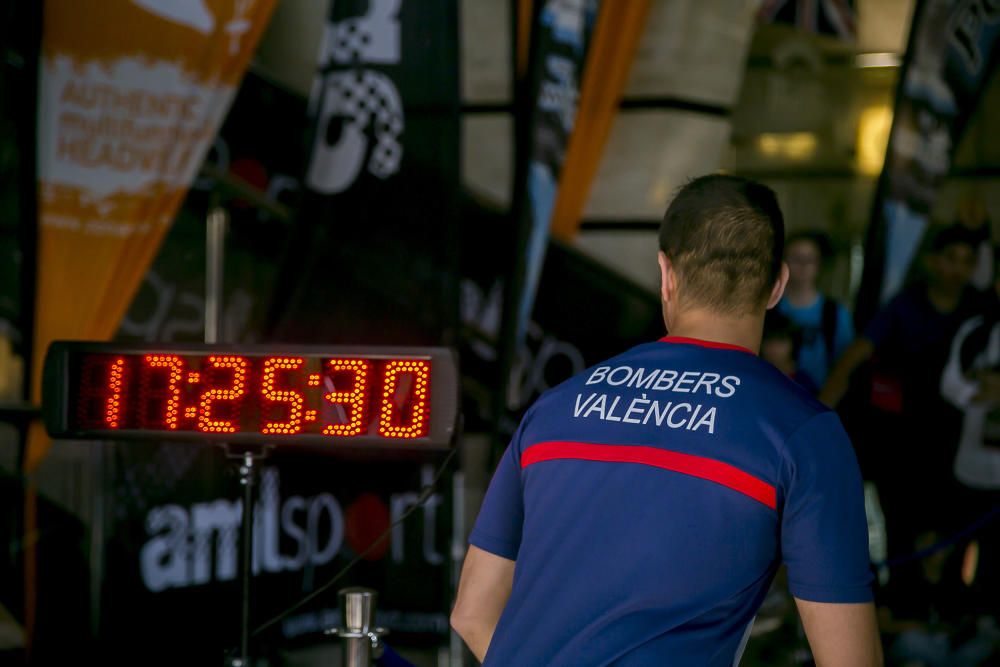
point(706, 343)
point(686, 464)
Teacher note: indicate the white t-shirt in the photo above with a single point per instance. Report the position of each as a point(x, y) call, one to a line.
point(977, 463)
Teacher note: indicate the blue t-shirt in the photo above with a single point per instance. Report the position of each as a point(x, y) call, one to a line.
point(814, 351)
point(648, 501)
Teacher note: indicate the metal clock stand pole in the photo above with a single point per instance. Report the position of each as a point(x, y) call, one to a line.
point(248, 460)
point(247, 457)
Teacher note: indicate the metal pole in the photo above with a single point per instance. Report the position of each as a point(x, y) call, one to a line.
point(248, 461)
point(358, 612)
point(215, 249)
point(362, 640)
point(99, 520)
point(247, 480)
point(214, 265)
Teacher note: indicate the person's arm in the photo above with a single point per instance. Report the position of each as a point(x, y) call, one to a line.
point(956, 387)
point(841, 635)
point(488, 571)
point(838, 381)
point(482, 593)
point(824, 544)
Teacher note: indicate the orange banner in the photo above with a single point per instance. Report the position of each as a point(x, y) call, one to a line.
point(131, 95)
point(525, 15)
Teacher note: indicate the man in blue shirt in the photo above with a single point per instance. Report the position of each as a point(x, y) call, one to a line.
point(642, 508)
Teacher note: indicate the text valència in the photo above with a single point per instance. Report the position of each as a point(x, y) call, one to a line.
point(646, 407)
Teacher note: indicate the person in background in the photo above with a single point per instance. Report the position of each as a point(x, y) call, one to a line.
point(826, 325)
point(908, 440)
point(971, 382)
point(780, 346)
point(911, 335)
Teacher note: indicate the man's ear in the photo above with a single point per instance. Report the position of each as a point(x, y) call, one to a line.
point(668, 279)
point(779, 287)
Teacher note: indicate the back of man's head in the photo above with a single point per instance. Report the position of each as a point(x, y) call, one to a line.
point(724, 237)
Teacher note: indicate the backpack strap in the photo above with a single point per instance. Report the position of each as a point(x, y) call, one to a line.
point(828, 326)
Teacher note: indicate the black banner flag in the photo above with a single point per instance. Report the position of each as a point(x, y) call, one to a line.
point(374, 258)
point(952, 52)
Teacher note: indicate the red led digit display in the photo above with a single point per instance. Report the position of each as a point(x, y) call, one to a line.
point(412, 403)
point(161, 385)
point(231, 392)
point(197, 392)
point(274, 396)
point(353, 401)
point(99, 403)
point(112, 414)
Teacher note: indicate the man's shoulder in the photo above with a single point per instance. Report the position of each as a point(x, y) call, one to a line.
point(779, 405)
point(781, 394)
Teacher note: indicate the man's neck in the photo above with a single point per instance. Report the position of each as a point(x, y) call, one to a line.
point(710, 326)
point(801, 296)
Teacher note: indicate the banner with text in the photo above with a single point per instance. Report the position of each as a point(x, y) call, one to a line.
point(561, 36)
point(131, 94)
point(174, 539)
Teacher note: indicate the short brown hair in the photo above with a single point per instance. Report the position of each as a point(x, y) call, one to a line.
point(725, 237)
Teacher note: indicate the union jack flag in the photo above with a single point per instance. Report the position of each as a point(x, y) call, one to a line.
point(825, 17)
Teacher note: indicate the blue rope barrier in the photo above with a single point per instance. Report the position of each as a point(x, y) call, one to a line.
point(968, 531)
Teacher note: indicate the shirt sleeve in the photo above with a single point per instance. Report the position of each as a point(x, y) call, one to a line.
point(498, 526)
point(824, 530)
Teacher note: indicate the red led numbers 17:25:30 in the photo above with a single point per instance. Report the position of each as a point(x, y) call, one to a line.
point(270, 395)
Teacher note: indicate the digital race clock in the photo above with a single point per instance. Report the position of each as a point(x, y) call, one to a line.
point(246, 394)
